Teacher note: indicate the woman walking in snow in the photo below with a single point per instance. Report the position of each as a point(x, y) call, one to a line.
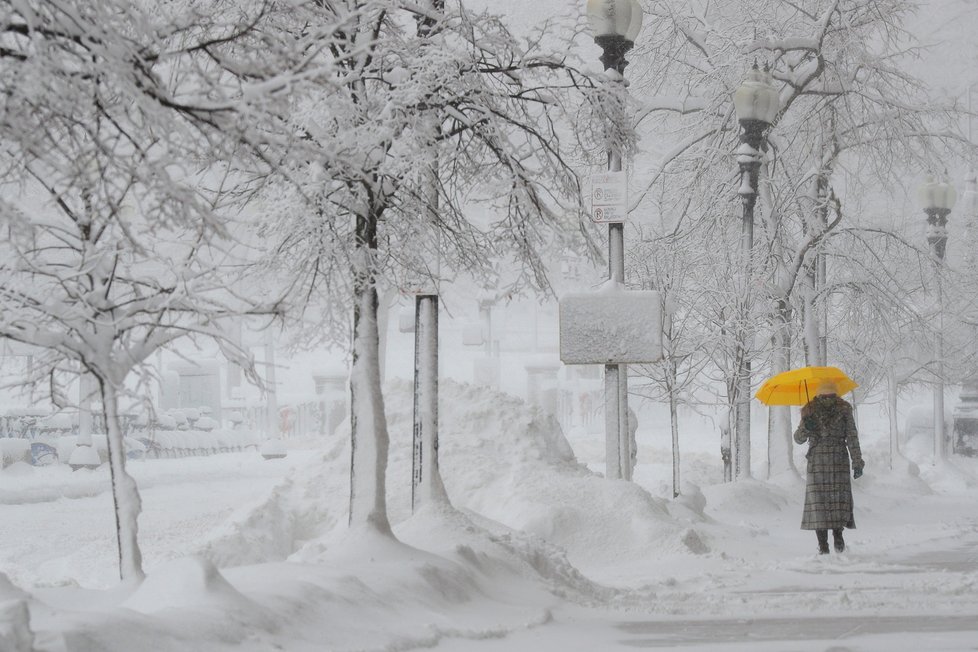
point(829, 428)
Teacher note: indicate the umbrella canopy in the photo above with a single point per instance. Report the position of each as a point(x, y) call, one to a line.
point(799, 386)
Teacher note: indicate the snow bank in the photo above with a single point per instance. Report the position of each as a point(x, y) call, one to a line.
point(371, 592)
point(307, 506)
point(15, 627)
point(501, 459)
point(510, 462)
point(192, 589)
point(14, 450)
point(8, 591)
point(497, 551)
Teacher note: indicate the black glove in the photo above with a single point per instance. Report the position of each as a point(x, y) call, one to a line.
point(857, 472)
point(810, 422)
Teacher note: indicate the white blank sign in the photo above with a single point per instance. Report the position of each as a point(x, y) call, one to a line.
point(611, 327)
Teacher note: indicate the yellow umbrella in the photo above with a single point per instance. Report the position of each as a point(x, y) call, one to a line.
point(798, 386)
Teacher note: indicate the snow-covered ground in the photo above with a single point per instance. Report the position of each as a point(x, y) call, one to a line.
point(539, 552)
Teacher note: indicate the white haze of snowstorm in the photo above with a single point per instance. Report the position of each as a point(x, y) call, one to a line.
point(540, 553)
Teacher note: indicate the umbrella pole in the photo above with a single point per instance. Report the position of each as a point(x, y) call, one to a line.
point(807, 399)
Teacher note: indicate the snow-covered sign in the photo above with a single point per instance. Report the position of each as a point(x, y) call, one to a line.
point(609, 194)
point(611, 327)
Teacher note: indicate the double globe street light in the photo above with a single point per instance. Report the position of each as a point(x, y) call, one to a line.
point(757, 103)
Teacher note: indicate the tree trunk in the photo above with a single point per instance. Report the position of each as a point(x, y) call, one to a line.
point(368, 423)
point(726, 445)
point(940, 434)
point(671, 380)
point(674, 423)
point(742, 382)
point(821, 282)
point(779, 443)
point(891, 409)
point(385, 301)
point(125, 494)
point(85, 391)
point(271, 392)
point(816, 315)
point(810, 319)
point(612, 456)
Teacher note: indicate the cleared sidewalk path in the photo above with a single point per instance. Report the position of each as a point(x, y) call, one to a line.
point(863, 631)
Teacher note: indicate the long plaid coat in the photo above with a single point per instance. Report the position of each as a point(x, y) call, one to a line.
point(829, 428)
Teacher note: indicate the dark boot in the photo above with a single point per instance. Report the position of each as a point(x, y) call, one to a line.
point(823, 541)
point(840, 544)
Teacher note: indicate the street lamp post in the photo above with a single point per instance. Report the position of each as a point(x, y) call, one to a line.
point(615, 24)
point(964, 431)
point(938, 199)
point(757, 103)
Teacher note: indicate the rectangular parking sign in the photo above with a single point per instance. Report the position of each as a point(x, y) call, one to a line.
point(609, 197)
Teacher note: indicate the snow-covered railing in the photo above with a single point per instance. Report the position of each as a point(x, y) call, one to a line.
point(38, 436)
point(162, 444)
point(184, 443)
point(301, 418)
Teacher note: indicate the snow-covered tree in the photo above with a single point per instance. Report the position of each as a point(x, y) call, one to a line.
point(677, 379)
point(358, 212)
point(119, 126)
point(851, 119)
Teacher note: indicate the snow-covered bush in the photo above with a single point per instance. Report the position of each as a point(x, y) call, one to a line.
point(14, 450)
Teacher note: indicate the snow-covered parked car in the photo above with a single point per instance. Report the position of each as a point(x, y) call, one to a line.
point(64, 446)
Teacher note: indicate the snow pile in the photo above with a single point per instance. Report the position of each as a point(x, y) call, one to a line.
point(509, 462)
point(949, 476)
point(500, 458)
point(306, 506)
point(497, 551)
point(192, 590)
point(14, 450)
point(15, 629)
point(84, 456)
point(726, 551)
point(905, 476)
point(418, 598)
point(8, 591)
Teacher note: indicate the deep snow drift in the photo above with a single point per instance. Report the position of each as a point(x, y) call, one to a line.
point(535, 542)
